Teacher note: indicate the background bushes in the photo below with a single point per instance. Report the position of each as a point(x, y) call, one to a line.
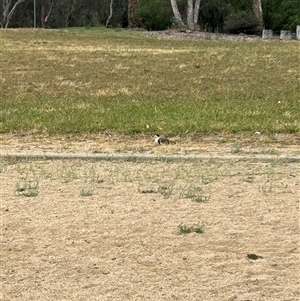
point(242, 22)
point(234, 16)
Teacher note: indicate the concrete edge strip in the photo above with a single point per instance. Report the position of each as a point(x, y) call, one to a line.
point(143, 157)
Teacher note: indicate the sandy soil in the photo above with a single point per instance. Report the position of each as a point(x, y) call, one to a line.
point(110, 143)
point(80, 230)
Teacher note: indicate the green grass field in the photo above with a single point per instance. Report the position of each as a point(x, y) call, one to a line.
point(94, 80)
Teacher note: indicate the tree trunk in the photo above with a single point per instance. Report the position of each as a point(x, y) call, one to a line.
point(7, 14)
point(69, 16)
point(193, 7)
point(196, 11)
point(110, 12)
point(176, 13)
point(133, 21)
point(257, 10)
point(193, 13)
point(190, 15)
point(42, 14)
point(6, 7)
point(51, 4)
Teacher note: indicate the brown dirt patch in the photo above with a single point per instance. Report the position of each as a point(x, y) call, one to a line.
point(122, 241)
point(110, 143)
point(188, 34)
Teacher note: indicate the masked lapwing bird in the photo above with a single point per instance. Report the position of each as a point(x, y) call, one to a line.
point(160, 139)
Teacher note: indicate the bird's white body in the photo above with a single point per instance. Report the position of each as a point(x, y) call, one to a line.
point(161, 140)
point(157, 138)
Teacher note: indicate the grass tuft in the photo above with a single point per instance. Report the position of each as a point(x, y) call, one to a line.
point(190, 192)
point(27, 188)
point(86, 191)
point(236, 148)
point(201, 199)
point(166, 190)
point(197, 228)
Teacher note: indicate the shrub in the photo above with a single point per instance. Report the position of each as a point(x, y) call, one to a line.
point(212, 15)
point(242, 22)
point(155, 14)
point(281, 14)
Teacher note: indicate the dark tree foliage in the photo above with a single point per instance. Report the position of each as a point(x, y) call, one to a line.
point(281, 14)
point(215, 15)
point(240, 5)
point(23, 16)
point(242, 22)
point(67, 13)
point(155, 14)
point(212, 15)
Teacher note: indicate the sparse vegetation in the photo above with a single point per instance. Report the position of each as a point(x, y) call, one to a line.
point(86, 191)
point(126, 219)
point(27, 188)
point(266, 186)
point(166, 190)
point(94, 176)
point(68, 174)
point(3, 165)
point(201, 199)
point(190, 192)
point(197, 228)
point(194, 193)
point(236, 148)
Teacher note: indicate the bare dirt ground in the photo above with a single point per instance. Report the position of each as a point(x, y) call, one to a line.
point(110, 230)
point(188, 34)
point(110, 143)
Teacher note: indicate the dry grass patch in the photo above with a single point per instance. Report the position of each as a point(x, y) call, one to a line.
point(122, 240)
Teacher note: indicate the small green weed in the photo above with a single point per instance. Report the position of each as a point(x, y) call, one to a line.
point(236, 148)
point(201, 199)
point(27, 188)
point(68, 175)
point(207, 179)
point(190, 192)
point(197, 228)
point(266, 187)
point(249, 179)
point(271, 151)
point(86, 191)
point(166, 190)
point(3, 166)
point(94, 176)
